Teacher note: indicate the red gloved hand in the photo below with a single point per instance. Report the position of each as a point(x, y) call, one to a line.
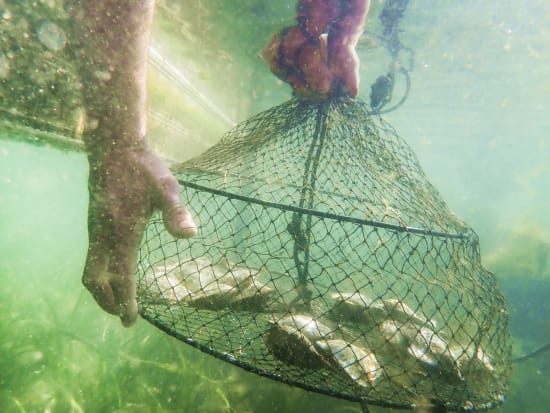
point(317, 56)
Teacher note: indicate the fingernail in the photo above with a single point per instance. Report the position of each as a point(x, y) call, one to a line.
point(188, 228)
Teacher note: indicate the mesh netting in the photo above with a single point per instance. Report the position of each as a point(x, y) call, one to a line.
point(325, 259)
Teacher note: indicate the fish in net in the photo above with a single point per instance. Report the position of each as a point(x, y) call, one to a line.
point(326, 260)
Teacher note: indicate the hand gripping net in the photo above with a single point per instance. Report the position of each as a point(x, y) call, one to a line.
point(326, 260)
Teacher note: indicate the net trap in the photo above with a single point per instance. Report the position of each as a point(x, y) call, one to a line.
point(325, 259)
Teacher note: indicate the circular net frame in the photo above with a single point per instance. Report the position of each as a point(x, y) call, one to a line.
point(325, 259)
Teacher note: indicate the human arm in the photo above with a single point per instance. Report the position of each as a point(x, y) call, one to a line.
point(127, 180)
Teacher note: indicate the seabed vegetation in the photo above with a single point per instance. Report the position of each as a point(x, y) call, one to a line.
point(60, 353)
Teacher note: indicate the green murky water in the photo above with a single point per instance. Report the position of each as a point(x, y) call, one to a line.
point(477, 117)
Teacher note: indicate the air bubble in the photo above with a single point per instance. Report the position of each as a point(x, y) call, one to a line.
point(4, 67)
point(5, 15)
point(51, 35)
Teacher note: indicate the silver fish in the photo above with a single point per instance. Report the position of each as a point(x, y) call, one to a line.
point(472, 358)
point(291, 339)
point(201, 273)
point(359, 308)
point(200, 283)
point(162, 285)
point(424, 345)
point(359, 364)
point(304, 324)
point(213, 296)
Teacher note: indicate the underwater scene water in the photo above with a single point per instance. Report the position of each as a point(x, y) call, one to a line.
point(477, 117)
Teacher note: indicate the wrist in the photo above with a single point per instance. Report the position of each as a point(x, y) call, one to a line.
point(101, 146)
point(111, 123)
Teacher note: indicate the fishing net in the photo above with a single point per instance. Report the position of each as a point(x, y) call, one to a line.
point(325, 259)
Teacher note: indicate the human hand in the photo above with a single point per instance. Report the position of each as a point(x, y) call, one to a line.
point(345, 34)
point(126, 186)
point(300, 61)
point(317, 56)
